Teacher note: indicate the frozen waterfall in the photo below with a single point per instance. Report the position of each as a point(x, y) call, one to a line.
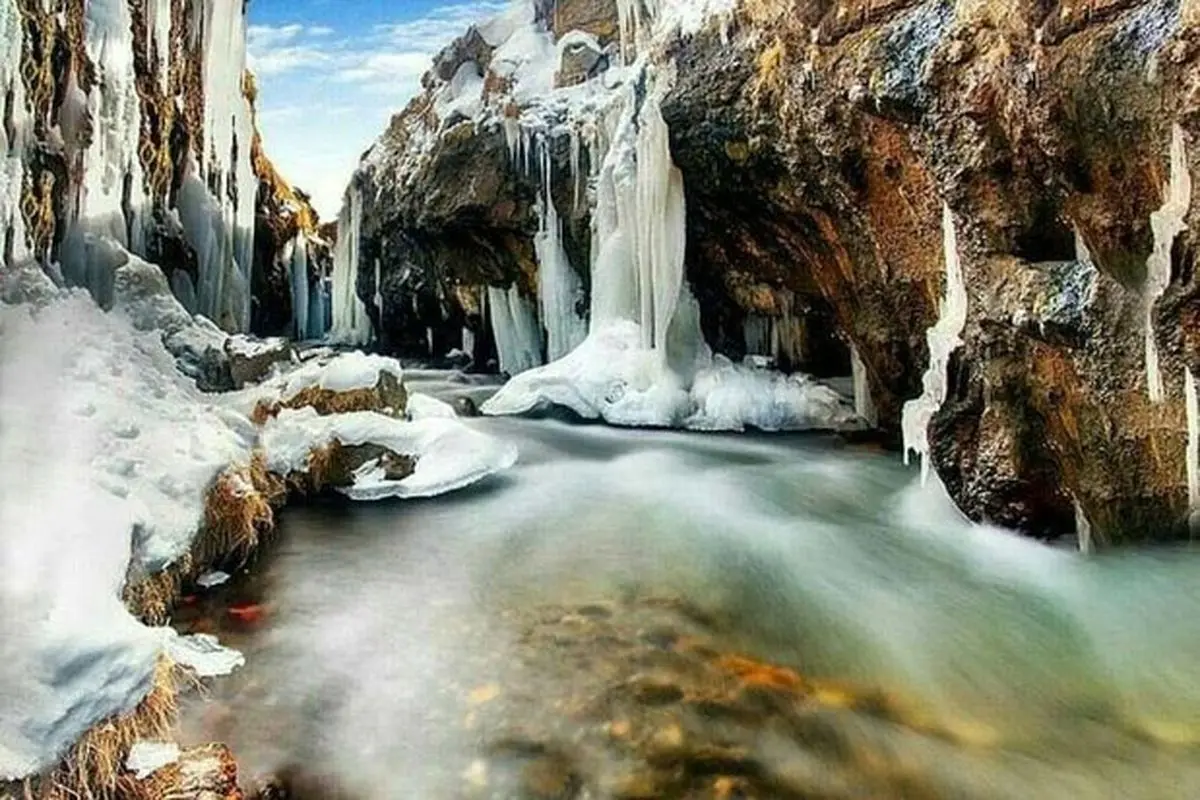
point(350, 325)
point(944, 339)
point(644, 361)
point(1166, 223)
point(12, 142)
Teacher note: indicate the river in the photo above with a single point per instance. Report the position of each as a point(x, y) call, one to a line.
point(633, 613)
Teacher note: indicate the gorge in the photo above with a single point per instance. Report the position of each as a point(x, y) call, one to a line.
point(955, 234)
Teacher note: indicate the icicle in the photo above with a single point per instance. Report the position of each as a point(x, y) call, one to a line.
point(158, 23)
point(864, 405)
point(298, 271)
point(512, 138)
point(228, 132)
point(559, 289)
point(944, 339)
point(759, 334)
point(1193, 443)
point(317, 324)
point(1166, 223)
point(1083, 529)
point(640, 220)
point(429, 341)
point(576, 171)
point(634, 17)
point(468, 342)
point(12, 171)
point(379, 293)
point(350, 325)
point(516, 330)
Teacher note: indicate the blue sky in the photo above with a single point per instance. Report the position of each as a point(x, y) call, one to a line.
point(332, 72)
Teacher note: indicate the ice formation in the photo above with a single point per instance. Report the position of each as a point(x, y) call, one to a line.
point(215, 204)
point(13, 138)
point(202, 654)
point(296, 257)
point(864, 405)
point(1083, 529)
point(944, 339)
point(422, 406)
point(559, 290)
point(449, 455)
point(644, 361)
point(516, 329)
point(1166, 223)
point(1193, 440)
point(350, 325)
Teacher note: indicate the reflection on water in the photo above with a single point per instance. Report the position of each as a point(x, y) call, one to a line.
point(1015, 670)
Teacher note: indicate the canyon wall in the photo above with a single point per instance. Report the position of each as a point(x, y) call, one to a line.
point(838, 156)
point(129, 126)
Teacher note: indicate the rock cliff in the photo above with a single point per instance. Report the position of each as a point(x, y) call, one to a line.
point(131, 122)
point(982, 209)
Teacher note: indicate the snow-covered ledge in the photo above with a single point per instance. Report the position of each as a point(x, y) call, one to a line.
point(113, 460)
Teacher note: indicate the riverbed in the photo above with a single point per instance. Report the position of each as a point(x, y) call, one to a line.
point(633, 613)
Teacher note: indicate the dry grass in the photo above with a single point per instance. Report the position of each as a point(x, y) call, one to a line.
point(151, 598)
point(237, 515)
point(210, 772)
point(264, 411)
point(92, 770)
point(323, 465)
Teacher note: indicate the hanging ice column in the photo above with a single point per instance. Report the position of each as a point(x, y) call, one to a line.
point(1166, 223)
point(12, 150)
point(229, 130)
point(559, 288)
point(296, 256)
point(864, 406)
point(351, 325)
point(515, 326)
point(1193, 442)
point(944, 339)
point(640, 220)
point(103, 129)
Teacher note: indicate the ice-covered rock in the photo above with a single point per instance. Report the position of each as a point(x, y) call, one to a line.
point(251, 359)
point(448, 455)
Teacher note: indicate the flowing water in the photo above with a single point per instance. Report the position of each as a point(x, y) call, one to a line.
point(409, 650)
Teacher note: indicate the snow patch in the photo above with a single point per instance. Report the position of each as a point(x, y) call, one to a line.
point(422, 406)
point(147, 758)
point(211, 580)
point(346, 373)
point(203, 654)
point(110, 452)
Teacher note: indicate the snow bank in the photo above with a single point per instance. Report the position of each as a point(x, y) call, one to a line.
point(345, 373)
point(611, 376)
point(107, 451)
point(449, 454)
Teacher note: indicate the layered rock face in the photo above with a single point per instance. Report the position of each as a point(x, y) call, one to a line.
point(131, 122)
